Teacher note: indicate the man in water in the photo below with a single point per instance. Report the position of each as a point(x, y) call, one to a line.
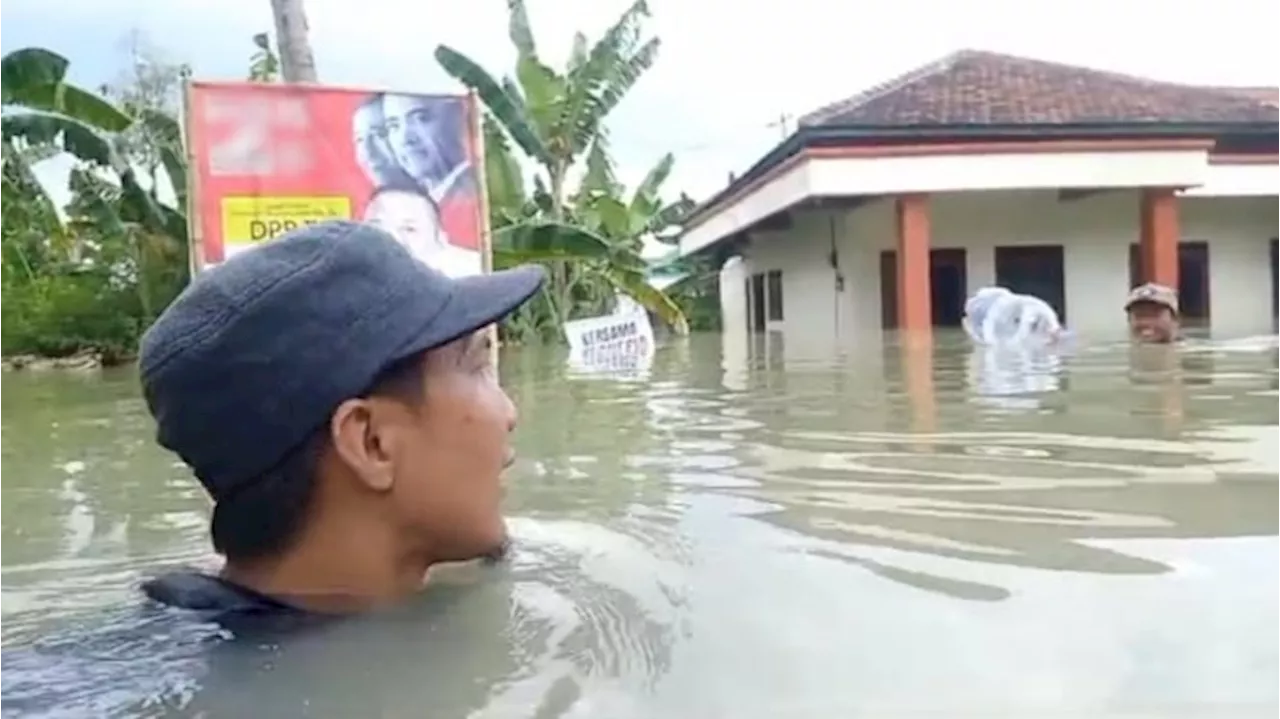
point(427, 136)
point(1153, 313)
point(337, 400)
point(413, 218)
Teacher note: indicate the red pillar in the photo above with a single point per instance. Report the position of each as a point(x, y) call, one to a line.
point(1160, 236)
point(918, 370)
point(914, 314)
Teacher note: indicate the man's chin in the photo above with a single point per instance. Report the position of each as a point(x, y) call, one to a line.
point(498, 552)
point(469, 570)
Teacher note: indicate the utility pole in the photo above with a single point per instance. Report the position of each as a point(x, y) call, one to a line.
point(297, 63)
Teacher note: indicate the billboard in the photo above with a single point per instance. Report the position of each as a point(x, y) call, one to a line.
point(268, 158)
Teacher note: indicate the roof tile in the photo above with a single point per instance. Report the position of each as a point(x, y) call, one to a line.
point(973, 87)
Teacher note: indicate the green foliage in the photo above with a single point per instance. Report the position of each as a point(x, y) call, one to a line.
point(34, 79)
point(96, 278)
point(264, 64)
point(591, 238)
point(696, 291)
point(555, 117)
point(150, 85)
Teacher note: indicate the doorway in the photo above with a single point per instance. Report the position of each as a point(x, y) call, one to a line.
point(1275, 284)
point(948, 286)
point(1193, 279)
point(756, 303)
point(1035, 270)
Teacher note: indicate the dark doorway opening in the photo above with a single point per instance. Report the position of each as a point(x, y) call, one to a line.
point(756, 305)
point(1035, 270)
point(1193, 279)
point(948, 287)
point(1275, 283)
point(773, 285)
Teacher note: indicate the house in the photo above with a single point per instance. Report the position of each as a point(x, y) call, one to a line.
point(885, 210)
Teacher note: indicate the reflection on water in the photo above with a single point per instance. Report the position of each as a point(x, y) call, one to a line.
point(753, 528)
point(1013, 376)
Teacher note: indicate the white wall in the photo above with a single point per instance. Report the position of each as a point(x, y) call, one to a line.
point(1238, 230)
point(1095, 233)
point(808, 281)
point(1227, 180)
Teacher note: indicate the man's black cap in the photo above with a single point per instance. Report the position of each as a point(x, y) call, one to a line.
point(257, 352)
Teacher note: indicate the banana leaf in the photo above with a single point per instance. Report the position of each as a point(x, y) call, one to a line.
point(35, 78)
point(546, 241)
point(38, 127)
point(509, 111)
point(637, 287)
point(29, 67)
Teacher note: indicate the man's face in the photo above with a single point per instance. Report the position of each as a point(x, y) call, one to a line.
point(447, 474)
point(411, 219)
point(1152, 322)
point(412, 132)
point(370, 138)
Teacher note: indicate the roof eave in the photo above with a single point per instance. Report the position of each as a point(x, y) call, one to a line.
point(807, 136)
point(1021, 130)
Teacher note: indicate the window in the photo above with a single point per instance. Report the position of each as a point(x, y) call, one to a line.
point(773, 291)
point(763, 292)
point(756, 306)
point(1275, 277)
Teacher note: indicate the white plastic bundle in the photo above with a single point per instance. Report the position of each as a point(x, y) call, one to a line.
point(996, 316)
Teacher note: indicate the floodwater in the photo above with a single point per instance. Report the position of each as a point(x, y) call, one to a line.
point(749, 530)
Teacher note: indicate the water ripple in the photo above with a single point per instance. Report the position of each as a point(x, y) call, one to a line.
point(746, 530)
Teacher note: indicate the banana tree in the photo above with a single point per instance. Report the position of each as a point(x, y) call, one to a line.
point(557, 117)
point(143, 206)
point(49, 112)
point(31, 227)
point(627, 224)
point(44, 115)
point(601, 205)
point(42, 108)
point(602, 263)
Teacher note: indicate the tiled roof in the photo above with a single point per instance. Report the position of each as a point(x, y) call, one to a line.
point(1267, 95)
point(983, 88)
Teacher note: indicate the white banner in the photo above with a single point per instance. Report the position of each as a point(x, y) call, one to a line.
point(616, 342)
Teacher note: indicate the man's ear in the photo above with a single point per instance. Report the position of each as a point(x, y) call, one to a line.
point(362, 443)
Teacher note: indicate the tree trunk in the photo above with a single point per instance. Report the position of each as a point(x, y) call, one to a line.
point(297, 64)
point(560, 291)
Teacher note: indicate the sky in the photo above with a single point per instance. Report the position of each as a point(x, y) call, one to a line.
point(728, 69)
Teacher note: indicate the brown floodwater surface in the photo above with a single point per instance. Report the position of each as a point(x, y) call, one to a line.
point(748, 529)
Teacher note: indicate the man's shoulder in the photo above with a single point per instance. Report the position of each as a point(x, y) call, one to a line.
point(214, 599)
